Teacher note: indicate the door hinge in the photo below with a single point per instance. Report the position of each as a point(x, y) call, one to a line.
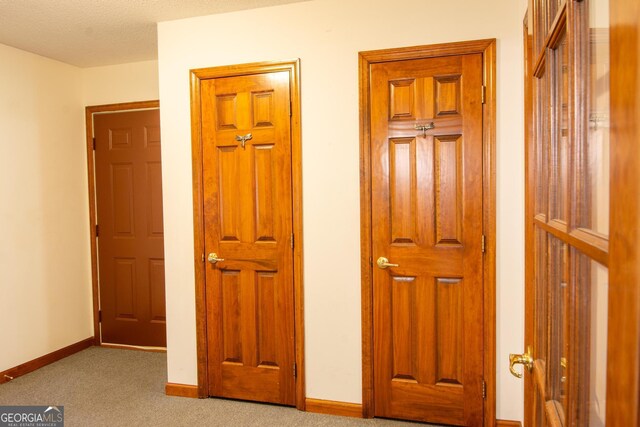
point(94, 143)
point(484, 94)
point(100, 316)
point(292, 242)
point(295, 370)
point(484, 390)
point(290, 109)
point(483, 244)
point(202, 257)
point(97, 230)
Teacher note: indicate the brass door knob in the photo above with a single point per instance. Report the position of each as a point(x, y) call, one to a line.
point(384, 263)
point(520, 359)
point(213, 258)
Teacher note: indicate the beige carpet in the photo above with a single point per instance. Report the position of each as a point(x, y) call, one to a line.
point(108, 387)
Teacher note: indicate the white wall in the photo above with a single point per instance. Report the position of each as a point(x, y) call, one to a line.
point(327, 35)
point(45, 270)
point(45, 280)
point(113, 84)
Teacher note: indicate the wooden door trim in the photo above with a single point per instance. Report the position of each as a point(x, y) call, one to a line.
point(623, 347)
point(487, 48)
point(197, 75)
point(89, 112)
point(529, 228)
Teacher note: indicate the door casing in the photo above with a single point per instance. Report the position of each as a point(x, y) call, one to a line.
point(93, 219)
point(488, 50)
point(197, 75)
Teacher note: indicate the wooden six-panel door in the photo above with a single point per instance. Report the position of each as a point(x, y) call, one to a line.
point(131, 237)
point(248, 236)
point(426, 168)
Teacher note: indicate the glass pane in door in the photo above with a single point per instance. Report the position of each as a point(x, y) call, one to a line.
point(558, 323)
point(542, 130)
point(540, 343)
point(595, 197)
point(541, 340)
point(560, 135)
point(541, 24)
point(596, 278)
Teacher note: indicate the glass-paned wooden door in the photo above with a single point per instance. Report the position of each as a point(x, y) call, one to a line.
point(567, 212)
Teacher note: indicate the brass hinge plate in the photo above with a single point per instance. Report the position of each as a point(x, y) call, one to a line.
point(483, 244)
point(484, 390)
point(97, 230)
point(484, 94)
point(295, 370)
point(94, 143)
point(292, 242)
point(99, 315)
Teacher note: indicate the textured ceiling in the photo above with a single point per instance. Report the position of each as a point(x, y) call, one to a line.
point(89, 33)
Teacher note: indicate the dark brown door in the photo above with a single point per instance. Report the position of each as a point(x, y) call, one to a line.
point(426, 124)
point(248, 226)
point(130, 240)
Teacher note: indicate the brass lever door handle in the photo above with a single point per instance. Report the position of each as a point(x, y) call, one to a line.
point(384, 263)
point(520, 359)
point(213, 258)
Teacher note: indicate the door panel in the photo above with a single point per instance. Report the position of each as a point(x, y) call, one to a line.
point(427, 218)
point(448, 189)
point(129, 213)
point(248, 223)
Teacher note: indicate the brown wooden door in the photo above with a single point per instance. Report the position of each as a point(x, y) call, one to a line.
point(427, 218)
point(131, 238)
point(248, 223)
